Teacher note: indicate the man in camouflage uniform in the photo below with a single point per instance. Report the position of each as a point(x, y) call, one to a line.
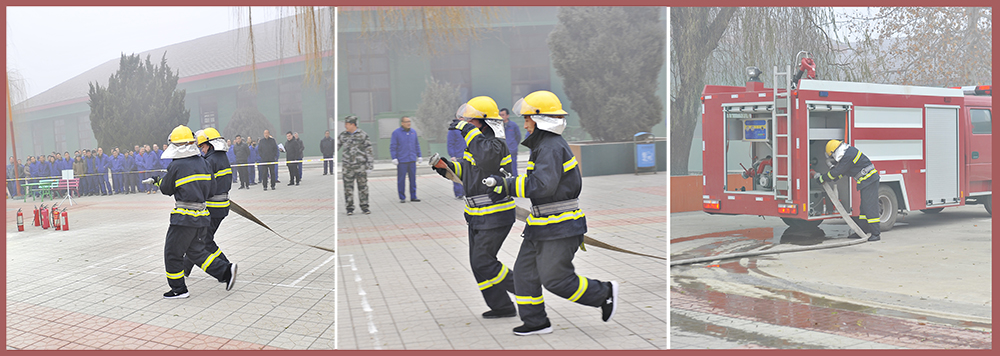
point(356, 159)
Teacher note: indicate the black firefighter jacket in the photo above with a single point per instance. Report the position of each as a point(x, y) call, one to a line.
point(552, 176)
point(189, 181)
point(222, 174)
point(484, 156)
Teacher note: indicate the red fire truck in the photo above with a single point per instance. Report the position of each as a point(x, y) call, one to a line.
point(761, 146)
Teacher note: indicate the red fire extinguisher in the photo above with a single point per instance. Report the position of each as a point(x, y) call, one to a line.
point(56, 219)
point(36, 216)
point(20, 220)
point(44, 217)
point(54, 213)
point(65, 223)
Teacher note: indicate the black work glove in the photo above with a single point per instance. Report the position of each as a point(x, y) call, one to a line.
point(443, 172)
point(502, 189)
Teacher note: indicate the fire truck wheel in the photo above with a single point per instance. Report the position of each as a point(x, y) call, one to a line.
point(932, 210)
point(801, 224)
point(988, 203)
point(889, 206)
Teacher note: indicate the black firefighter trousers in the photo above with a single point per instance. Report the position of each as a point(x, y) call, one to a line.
point(493, 277)
point(870, 210)
point(189, 241)
point(549, 263)
point(211, 247)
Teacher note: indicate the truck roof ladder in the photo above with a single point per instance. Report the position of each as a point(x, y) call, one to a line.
point(782, 139)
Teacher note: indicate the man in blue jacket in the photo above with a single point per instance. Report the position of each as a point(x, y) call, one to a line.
point(254, 158)
point(117, 167)
point(152, 163)
point(91, 158)
point(513, 137)
point(103, 179)
point(404, 147)
point(456, 149)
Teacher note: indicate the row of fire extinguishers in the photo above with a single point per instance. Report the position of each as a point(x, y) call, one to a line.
point(42, 217)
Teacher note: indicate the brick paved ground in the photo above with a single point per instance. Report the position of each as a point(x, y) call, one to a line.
point(100, 284)
point(406, 281)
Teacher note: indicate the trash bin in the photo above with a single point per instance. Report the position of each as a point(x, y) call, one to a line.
point(645, 153)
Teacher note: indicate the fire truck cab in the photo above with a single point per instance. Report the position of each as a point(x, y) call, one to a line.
point(762, 146)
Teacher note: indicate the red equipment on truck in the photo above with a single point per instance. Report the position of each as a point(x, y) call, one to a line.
point(931, 146)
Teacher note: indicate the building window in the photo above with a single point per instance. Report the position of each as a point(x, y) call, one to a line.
point(59, 133)
point(38, 137)
point(454, 68)
point(529, 63)
point(982, 122)
point(209, 111)
point(368, 79)
point(85, 132)
point(290, 104)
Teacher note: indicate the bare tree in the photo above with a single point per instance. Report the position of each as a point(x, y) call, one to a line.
point(695, 33)
point(933, 46)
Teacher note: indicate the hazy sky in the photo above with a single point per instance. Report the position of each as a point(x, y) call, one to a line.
point(49, 45)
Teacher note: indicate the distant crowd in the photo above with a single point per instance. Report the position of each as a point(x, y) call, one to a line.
point(123, 171)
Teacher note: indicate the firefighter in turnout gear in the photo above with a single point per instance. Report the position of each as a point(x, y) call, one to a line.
point(489, 221)
point(850, 161)
point(213, 147)
point(189, 180)
point(554, 229)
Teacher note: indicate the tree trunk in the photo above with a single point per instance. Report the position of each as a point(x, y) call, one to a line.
point(695, 33)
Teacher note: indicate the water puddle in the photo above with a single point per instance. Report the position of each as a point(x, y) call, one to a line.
point(754, 239)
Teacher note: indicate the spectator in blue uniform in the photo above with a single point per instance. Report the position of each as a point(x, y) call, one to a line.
point(404, 147)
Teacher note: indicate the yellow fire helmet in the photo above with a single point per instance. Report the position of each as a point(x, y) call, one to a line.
point(484, 108)
point(181, 144)
point(480, 107)
point(213, 137)
point(542, 102)
point(181, 135)
point(832, 146)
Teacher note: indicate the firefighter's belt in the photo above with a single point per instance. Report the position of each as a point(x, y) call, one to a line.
point(190, 205)
point(864, 173)
point(482, 200)
point(220, 197)
point(555, 208)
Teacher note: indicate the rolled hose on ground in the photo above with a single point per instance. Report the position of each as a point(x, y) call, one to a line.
point(840, 209)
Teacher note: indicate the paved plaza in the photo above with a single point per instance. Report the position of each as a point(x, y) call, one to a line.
point(100, 284)
point(406, 282)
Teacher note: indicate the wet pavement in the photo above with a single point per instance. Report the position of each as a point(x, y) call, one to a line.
point(926, 285)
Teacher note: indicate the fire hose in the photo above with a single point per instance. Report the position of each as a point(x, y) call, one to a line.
point(522, 213)
point(236, 208)
point(828, 187)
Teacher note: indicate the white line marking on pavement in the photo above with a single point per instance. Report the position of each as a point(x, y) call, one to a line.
point(213, 278)
point(311, 271)
point(98, 263)
point(367, 308)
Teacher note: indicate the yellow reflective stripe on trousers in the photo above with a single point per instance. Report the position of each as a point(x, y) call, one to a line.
point(875, 220)
point(208, 261)
point(472, 134)
point(857, 157)
point(217, 204)
point(867, 175)
point(177, 275)
point(505, 160)
point(555, 219)
point(195, 213)
point(468, 157)
point(529, 300)
point(519, 186)
point(224, 172)
point(531, 165)
point(192, 178)
point(490, 209)
point(579, 290)
point(569, 164)
point(499, 278)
